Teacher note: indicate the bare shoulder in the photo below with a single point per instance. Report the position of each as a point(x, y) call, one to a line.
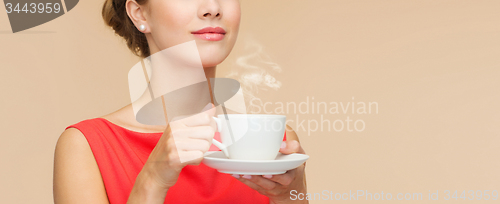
point(77, 178)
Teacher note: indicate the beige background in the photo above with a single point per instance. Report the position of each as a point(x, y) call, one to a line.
point(432, 66)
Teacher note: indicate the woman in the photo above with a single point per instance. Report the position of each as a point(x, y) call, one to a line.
point(115, 159)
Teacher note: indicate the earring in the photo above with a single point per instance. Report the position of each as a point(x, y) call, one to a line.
point(142, 27)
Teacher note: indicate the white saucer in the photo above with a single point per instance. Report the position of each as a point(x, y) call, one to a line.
point(282, 163)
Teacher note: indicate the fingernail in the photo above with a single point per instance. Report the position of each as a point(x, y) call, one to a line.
point(283, 145)
point(267, 176)
point(236, 176)
point(247, 176)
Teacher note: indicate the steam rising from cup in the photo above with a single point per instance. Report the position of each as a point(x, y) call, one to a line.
point(255, 71)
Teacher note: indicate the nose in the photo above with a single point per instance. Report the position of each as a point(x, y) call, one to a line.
point(210, 9)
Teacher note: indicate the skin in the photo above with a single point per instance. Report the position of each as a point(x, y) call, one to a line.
point(169, 22)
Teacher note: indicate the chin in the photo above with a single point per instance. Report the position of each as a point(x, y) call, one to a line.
point(211, 60)
point(212, 54)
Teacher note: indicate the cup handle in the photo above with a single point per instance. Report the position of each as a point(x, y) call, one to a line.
point(218, 144)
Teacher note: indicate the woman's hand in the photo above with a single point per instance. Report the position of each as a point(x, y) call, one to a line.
point(278, 187)
point(183, 142)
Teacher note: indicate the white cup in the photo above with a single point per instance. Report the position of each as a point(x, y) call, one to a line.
point(250, 136)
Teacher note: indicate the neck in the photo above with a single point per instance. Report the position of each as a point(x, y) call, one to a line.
point(210, 72)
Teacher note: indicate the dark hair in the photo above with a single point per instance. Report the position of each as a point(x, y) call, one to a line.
point(115, 16)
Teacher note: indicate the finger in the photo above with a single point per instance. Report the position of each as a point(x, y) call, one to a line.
point(203, 118)
point(196, 120)
point(198, 132)
point(192, 145)
point(252, 185)
point(213, 124)
point(283, 179)
point(190, 157)
point(290, 147)
point(210, 109)
point(260, 181)
point(207, 107)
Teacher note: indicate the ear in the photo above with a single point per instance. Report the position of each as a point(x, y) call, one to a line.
point(137, 15)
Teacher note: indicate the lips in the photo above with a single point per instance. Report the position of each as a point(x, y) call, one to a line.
point(218, 30)
point(210, 34)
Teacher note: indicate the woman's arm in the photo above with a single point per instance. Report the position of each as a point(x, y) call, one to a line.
point(77, 178)
point(147, 190)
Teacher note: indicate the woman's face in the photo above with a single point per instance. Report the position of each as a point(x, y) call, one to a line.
point(172, 22)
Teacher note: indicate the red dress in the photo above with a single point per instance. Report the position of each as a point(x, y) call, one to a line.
point(121, 153)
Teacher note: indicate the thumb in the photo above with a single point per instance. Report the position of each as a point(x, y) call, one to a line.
point(209, 107)
point(202, 118)
point(210, 110)
point(290, 147)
